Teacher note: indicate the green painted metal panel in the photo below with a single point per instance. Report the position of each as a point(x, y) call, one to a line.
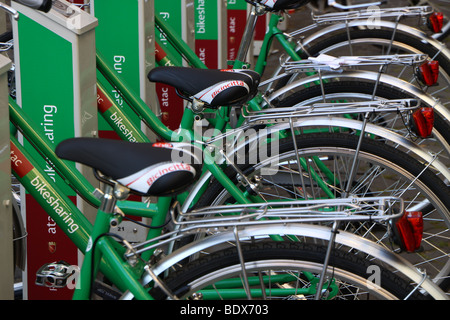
point(47, 86)
point(117, 40)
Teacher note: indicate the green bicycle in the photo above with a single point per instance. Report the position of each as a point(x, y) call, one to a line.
point(142, 210)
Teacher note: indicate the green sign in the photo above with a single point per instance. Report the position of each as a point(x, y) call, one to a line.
point(46, 84)
point(54, 55)
point(117, 40)
point(206, 19)
point(171, 12)
point(207, 32)
point(236, 5)
point(172, 106)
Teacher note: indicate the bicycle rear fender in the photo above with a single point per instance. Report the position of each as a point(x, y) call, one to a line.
point(372, 76)
point(325, 30)
point(387, 80)
point(318, 232)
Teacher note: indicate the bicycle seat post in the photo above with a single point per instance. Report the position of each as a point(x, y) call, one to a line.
point(110, 196)
point(248, 32)
point(108, 200)
point(105, 219)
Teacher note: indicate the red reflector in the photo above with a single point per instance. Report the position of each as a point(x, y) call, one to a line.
point(436, 21)
point(428, 72)
point(422, 121)
point(410, 230)
point(434, 68)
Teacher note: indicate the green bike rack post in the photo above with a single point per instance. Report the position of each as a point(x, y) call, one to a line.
point(125, 39)
point(201, 25)
point(54, 55)
point(6, 237)
point(210, 32)
point(174, 14)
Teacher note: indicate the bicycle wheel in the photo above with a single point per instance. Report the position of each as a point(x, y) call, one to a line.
point(355, 91)
point(381, 171)
point(283, 270)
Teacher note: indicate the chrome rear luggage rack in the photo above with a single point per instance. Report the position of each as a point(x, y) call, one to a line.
point(285, 114)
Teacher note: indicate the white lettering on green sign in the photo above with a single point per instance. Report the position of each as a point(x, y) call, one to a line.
point(201, 17)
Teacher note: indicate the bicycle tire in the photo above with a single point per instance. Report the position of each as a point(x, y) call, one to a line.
point(349, 273)
point(398, 168)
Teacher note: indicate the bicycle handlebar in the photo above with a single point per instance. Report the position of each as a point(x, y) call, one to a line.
point(10, 10)
point(41, 5)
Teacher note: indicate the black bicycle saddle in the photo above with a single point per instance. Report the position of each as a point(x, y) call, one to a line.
point(213, 86)
point(276, 5)
point(158, 169)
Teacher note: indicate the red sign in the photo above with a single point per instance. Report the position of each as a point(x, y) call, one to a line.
point(207, 51)
point(103, 102)
point(46, 243)
point(19, 163)
point(171, 106)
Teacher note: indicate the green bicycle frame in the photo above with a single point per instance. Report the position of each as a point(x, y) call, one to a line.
point(61, 209)
point(49, 196)
point(145, 114)
point(72, 176)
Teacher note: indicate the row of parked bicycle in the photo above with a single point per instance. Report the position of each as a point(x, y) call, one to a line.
point(327, 180)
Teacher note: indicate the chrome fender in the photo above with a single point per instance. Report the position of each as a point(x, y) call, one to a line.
point(318, 232)
point(325, 30)
point(373, 76)
point(384, 79)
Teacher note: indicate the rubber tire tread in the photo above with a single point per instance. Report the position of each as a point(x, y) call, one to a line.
point(178, 280)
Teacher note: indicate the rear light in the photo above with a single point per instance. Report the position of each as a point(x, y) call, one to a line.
point(408, 231)
point(436, 21)
point(428, 73)
point(422, 122)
